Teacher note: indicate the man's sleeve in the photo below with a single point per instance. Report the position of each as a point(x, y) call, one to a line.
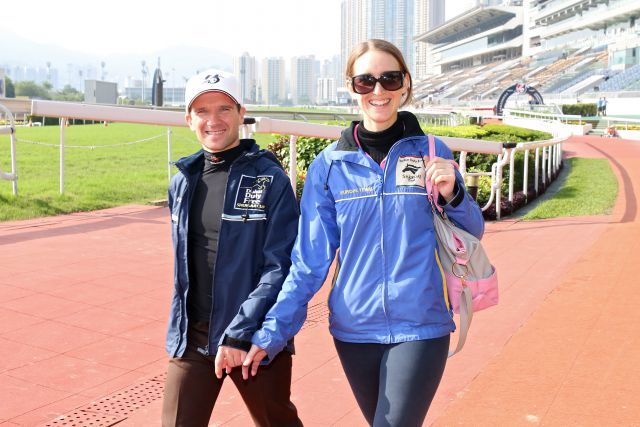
point(280, 236)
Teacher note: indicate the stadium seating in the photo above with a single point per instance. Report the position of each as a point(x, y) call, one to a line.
point(623, 80)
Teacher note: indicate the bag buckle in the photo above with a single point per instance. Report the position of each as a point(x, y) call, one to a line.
point(460, 272)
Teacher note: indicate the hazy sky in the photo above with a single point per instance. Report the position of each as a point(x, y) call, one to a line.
point(261, 27)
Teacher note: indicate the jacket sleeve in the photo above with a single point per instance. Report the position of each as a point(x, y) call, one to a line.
point(280, 235)
point(313, 253)
point(462, 209)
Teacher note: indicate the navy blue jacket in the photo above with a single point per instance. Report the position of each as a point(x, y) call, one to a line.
point(257, 231)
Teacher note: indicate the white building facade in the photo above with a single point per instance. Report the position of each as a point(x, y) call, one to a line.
point(244, 68)
point(303, 80)
point(273, 81)
point(429, 14)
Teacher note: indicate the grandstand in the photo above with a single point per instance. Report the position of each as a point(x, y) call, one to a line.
point(564, 48)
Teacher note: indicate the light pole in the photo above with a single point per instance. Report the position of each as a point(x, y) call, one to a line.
point(173, 86)
point(144, 76)
point(49, 72)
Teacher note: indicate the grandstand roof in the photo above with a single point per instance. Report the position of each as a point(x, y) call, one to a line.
point(469, 19)
point(558, 20)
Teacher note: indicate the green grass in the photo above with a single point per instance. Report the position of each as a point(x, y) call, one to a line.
point(108, 175)
point(94, 178)
point(590, 189)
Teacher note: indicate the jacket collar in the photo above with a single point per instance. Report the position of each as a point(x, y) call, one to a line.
point(411, 128)
point(347, 147)
point(194, 163)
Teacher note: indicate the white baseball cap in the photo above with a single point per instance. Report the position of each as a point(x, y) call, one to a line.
point(211, 81)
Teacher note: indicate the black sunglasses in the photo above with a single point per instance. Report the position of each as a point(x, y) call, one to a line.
point(389, 80)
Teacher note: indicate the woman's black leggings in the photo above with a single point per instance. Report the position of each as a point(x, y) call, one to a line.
point(394, 383)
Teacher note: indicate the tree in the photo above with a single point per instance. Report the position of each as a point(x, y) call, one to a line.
point(10, 89)
point(31, 89)
point(69, 93)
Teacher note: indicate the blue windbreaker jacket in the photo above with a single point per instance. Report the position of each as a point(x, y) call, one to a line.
point(390, 286)
point(258, 228)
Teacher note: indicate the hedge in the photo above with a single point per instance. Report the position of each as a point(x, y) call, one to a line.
point(308, 148)
point(580, 109)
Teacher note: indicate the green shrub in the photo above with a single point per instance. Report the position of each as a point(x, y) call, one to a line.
point(482, 162)
point(580, 109)
point(307, 148)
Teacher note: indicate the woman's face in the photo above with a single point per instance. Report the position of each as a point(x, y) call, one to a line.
point(379, 107)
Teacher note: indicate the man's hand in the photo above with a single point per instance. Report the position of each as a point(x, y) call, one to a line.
point(442, 174)
point(253, 359)
point(227, 358)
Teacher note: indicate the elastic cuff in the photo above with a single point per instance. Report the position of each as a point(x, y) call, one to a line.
point(457, 199)
point(236, 343)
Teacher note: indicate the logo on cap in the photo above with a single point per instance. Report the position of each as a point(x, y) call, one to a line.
point(212, 79)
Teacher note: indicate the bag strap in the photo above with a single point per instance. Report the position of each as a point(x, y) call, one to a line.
point(466, 309)
point(466, 316)
point(432, 190)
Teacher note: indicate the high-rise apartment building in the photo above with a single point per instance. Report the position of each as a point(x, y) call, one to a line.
point(429, 14)
point(327, 93)
point(355, 26)
point(303, 80)
point(244, 68)
point(391, 20)
point(273, 81)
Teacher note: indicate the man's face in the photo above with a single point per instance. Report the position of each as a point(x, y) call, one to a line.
point(215, 119)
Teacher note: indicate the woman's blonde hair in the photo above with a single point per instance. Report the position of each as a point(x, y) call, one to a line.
point(383, 46)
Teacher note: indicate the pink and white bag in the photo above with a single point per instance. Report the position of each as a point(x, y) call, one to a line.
point(472, 282)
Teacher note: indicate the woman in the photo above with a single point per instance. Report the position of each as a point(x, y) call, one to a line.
point(365, 195)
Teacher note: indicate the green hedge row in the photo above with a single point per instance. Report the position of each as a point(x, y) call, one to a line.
point(308, 149)
point(580, 109)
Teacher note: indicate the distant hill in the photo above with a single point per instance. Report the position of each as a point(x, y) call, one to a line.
point(16, 50)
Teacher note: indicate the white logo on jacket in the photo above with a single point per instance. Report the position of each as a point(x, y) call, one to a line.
point(410, 171)
point(252, 192)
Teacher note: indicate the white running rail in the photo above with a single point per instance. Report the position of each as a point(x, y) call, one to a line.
point(10, 129)
point(295, 129)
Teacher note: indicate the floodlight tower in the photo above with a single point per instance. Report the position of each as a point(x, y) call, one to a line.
point(49, 71)
point(173, 89)
point(144, 77)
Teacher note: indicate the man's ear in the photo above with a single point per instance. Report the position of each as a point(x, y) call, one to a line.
point(187, 118)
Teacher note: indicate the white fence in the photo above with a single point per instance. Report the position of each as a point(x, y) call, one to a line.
point(549, 152)
point(10, 129)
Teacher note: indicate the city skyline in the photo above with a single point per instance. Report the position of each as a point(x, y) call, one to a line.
point(262, 28)
point(129, 51)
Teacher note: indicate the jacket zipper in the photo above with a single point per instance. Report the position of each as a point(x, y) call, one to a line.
point(213, 273)
point(385, 284)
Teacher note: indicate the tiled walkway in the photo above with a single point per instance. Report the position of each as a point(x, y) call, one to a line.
point(84, 298)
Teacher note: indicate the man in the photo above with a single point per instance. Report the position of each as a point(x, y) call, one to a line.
point(234, 220)
point(600, 105)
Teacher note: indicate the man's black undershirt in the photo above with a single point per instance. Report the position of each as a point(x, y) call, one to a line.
point(204, 229)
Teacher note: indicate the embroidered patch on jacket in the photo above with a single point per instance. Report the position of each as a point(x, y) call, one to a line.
point(252, 192)
point(410, 172)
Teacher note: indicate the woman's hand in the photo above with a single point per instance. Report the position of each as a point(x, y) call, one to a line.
point(227, 358)
point(442, 174)
point(253, 359)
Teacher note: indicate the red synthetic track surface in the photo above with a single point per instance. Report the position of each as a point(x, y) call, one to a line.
point(84, 300)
